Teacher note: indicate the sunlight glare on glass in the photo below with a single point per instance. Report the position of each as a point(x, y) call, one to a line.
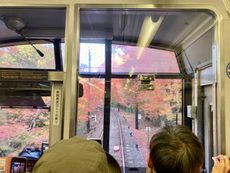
point(148, 31)
point(97, 54)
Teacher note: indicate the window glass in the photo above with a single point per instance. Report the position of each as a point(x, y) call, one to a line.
point(132, 59)
point(140, 114)
point(20, 128)
point(92, 57)
point(91, 108)
point(26, 57)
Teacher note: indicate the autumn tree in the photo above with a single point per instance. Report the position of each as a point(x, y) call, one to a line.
point(92, 101)
point(125, 60)
point(26, 57)
point(25, 127)
point(157, 104)
point(92, 98)
point(18, 129)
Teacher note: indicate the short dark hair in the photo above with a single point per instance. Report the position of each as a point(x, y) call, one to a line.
point(176, 149)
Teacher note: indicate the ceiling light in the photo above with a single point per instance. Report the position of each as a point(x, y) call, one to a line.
point(19, 26)
point(14, 23)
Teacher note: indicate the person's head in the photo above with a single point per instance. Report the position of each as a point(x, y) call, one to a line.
point(175, 149)
point(76, 155)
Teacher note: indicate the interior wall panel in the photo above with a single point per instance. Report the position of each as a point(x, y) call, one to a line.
point(201, 50)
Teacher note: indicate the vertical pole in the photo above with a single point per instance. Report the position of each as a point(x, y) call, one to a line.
point(136, 116)
point(89, 85)
point(187, 100)
point(57, 54)
point(176, 118)
point(216, 70)
point(70, 87)
point(136, 111)
point(148, 142)
point(199, 121)
point(107, 94)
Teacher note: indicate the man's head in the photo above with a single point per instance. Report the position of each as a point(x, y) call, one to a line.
point(76, 155)
point(175, 149)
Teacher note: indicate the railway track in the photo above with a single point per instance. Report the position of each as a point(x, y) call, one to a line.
point(121, 140)
point(116, 135)
point(123, 146)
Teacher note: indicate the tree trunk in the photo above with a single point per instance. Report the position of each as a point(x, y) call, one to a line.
point(88, 124)
point(33, 122)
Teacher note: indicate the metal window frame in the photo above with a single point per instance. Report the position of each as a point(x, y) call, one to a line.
point(94, 6)
point(73, 13)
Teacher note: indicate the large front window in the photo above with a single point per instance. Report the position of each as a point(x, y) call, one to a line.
point(134, 60)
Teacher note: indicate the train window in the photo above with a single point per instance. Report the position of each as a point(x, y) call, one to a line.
point(137, 115)
point(91, 108)
point(126, 59)
point(23, 127)
point(21, 26)
point(140, 41)
point(25, 57)
point(92, 57)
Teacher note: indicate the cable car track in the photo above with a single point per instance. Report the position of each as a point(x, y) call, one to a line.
point(121, 140)
point(120, 137)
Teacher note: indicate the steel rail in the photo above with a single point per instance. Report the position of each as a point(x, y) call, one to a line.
point(121, 138)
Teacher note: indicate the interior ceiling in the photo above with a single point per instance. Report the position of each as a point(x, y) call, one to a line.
point(127, 25)
point(124, 25)
point(39, 20)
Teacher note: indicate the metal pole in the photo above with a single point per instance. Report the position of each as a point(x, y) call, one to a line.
point(89, 85)
point(187, 100)
point(136, 116)
point(70, 87)
point(136, 112)
point(148, 141)
point(107, 96)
